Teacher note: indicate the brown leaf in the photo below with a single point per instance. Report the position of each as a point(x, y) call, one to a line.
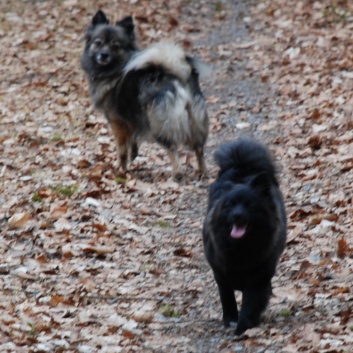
point(301, 213)
point(346, 315)
point(44, 192)
point(342, 248)
point(304, 266)
point(315, 142)
point(143, 316)
point(173, 21)
point(58, 209)
point(129, 334)
point(42, 258)
point(144, 210)
point(57, 299)
point(100, 227)
point(315, 114)
point(100, 250)
point(83, 163)
point(95, 193)
point(62, 224)
point(19, 220)
point(341, 290)
point(4, 269)
point(182, 252)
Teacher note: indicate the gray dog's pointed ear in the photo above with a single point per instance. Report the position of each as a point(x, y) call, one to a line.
point(100, 18)
point(127, 24)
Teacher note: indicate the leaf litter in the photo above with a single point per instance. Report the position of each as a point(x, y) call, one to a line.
point(95, 262)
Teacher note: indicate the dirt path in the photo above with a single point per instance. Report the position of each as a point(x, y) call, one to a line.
point(94, 263)
point(240, 103)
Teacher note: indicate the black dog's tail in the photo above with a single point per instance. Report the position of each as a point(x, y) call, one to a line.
point(243, 158)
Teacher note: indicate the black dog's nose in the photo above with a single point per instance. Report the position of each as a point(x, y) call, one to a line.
point(103, 58)
point(239, 215)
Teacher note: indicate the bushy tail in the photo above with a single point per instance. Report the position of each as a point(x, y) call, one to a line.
point(169, 56)
point(204, 71)
point(245, 157)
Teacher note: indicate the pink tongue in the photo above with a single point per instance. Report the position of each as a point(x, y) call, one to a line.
point(237, 232)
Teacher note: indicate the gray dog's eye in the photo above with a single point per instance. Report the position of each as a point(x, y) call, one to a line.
point(115, 47)
point(98, 42)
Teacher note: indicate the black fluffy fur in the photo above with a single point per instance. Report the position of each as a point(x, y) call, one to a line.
point(246, 193)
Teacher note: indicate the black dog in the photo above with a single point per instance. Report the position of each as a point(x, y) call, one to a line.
point(244, 232)
point(151, 94)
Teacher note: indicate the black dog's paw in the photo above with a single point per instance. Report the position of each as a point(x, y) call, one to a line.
point(229, 320)
point(243, 325)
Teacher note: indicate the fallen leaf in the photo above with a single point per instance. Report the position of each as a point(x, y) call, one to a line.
point(342, 248)
point(99, 250)
point(182, 252)
point(19, 220)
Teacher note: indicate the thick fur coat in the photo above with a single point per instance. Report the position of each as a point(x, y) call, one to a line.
point(151, 94)
point(244, 232)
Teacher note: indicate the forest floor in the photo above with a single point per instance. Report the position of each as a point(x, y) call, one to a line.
point(92, 262)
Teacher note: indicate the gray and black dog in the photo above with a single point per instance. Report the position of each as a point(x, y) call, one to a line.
point(146, 95)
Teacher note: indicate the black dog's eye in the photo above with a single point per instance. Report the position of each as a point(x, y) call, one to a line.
point(115, 47)
point(98, 42)
point(248, 204)
point(227, 203)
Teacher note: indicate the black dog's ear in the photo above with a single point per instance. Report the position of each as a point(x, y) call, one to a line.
point(218, 189)
point(100, 18)
point(227, 186)
point(127, 23)
point(262, 182)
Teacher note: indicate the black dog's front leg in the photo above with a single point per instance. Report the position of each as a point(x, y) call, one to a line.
point(229, 305)
point(255, 300)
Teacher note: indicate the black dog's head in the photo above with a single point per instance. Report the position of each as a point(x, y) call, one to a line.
point(245, 209)
point(108, 47)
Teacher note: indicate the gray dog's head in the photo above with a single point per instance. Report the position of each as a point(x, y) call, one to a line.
point(108, 47)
